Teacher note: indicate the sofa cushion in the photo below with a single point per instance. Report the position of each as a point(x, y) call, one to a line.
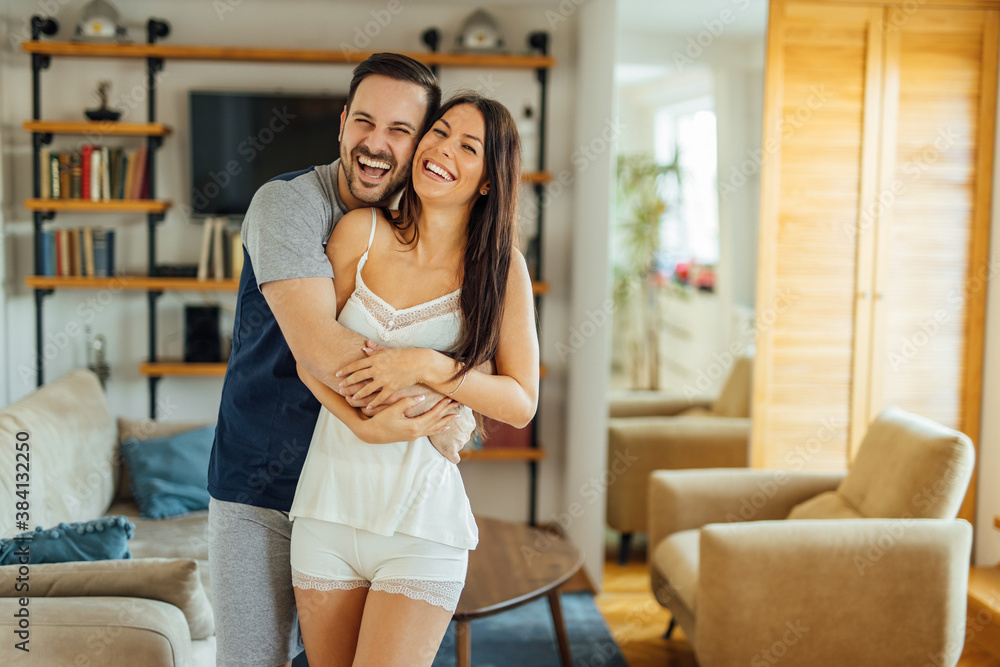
point(180, 537)
point(100, 539)
point(170, 474)
point(175, 581)
point(144, 429)
point(909, 466)
point(829, 505)
point(71, 448)
point(734, 399)
point(696, 411)
point(678, 555)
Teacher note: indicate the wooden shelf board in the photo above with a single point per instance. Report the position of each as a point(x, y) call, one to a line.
point(536, 177)
point(97, 128)
point(145, 283)
point(181, 368)
point(539, 287)
point(344, 56)
point(511, 454)
point(107, 206)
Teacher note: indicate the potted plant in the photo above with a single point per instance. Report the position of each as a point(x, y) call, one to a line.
point(640, 208)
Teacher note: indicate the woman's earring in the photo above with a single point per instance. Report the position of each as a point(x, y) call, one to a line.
point(484, 191)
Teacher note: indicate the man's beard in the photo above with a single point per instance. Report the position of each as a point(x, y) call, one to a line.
point(366, 192)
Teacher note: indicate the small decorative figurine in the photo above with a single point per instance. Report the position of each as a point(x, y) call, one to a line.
point(103, 113)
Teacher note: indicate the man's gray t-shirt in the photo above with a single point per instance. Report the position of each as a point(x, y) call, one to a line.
point(289, 222)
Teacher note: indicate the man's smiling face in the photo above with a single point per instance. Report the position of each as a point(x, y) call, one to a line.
point(378, 135)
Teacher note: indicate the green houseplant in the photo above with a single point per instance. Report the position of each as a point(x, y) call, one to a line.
point(640, 208)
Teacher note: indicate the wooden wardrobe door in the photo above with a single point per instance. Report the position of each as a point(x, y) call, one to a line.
point(820, 104)
point(932, 239)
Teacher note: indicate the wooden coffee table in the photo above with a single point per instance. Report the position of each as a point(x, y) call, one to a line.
point(514, 564)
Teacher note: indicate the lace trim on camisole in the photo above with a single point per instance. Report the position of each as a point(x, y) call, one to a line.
point(389, 321)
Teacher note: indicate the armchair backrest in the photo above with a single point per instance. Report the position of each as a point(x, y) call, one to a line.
point(734, 399)
point(909, 466)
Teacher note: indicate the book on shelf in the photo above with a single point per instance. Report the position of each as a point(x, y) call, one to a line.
point(81, 251)
point(93, 173)
point(62, 168)
point(54, 177)
point(206, 248)
point(96, 168)
point(139, 186)
point(45, 173)
point(49, 252)
point(218, 250)
point(87, 160)
point(105, 173)
point(221, 255)
point(235, 255)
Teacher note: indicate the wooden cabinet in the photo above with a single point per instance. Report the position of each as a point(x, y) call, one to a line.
point(875, 203)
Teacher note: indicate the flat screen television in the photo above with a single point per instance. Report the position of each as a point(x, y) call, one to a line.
point(240, 140)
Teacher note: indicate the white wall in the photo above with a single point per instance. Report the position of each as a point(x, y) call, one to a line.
point(496, 489)
point(988, 506)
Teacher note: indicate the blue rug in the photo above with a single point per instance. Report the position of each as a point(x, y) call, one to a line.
point(525, 637)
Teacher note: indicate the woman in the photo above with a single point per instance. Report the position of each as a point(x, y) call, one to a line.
point(382, 524)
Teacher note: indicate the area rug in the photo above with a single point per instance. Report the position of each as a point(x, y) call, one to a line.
point(525, 637)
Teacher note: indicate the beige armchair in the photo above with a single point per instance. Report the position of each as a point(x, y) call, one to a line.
point(648, 432)
point(754, 570)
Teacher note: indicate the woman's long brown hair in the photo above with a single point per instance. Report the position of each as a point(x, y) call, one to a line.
point(490, 236)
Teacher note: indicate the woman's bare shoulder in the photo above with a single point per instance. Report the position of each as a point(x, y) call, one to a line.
point(354, 226)
point(518, 276)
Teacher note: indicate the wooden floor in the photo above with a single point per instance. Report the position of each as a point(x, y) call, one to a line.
point(637, 621)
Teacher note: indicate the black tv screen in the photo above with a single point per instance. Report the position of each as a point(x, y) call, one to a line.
point(239, 141)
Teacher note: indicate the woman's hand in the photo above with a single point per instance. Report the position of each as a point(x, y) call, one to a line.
point(387, 370)
point(392, 424)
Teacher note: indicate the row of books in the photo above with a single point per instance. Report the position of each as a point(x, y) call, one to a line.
point(82, 251)
point(221, 251)
point(95, 173)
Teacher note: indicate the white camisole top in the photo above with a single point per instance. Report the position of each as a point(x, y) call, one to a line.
point(404, 487)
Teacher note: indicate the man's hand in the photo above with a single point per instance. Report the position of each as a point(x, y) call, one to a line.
point(450, 442)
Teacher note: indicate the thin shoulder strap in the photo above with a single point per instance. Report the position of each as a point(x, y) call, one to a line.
point(371, 237)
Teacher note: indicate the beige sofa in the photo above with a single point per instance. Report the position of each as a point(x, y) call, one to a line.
point(650, 431)
point(821, 569)
point(151, 610)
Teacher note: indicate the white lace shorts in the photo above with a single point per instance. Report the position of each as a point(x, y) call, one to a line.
point(331, 556)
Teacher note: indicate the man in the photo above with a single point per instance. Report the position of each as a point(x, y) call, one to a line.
point(286, 312)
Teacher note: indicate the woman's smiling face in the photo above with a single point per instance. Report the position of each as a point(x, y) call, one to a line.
point(449, 162)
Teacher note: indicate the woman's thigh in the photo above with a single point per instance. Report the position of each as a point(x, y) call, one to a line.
point(331, 622)
point(417, 628)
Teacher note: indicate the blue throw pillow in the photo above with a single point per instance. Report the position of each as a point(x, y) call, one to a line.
point(170, 474)
point(101, 539)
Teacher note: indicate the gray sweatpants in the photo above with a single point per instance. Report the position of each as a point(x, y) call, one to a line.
point(256, 624)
